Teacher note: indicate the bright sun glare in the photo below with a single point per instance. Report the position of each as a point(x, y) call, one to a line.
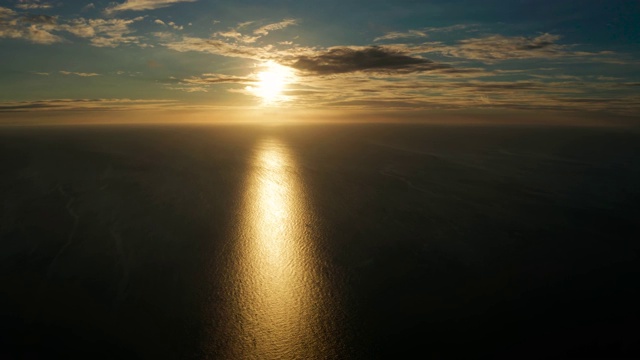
point(272, 81)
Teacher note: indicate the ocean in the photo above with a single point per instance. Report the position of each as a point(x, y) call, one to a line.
point(342, 241)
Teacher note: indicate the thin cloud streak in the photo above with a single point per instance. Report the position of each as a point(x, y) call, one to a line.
point(34, 6)
point(264, 30)
point(422, 33)
point(394, 35)
point(499, 47)
point(139, 5)
point(81, 74)
point(85, 104)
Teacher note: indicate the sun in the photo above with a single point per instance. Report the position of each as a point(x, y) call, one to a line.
point(271, 83)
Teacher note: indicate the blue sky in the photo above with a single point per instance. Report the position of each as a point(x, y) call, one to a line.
point(416, 56)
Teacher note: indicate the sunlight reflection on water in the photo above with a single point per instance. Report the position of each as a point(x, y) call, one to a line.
point(282, 305)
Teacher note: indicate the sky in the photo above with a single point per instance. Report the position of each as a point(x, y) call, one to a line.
point(404, 56)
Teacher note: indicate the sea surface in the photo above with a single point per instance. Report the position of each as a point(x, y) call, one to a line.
point(377, 241)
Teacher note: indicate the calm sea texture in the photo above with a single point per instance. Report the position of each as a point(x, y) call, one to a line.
point(319, 242)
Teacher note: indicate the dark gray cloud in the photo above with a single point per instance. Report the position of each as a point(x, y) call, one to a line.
point(339, 60)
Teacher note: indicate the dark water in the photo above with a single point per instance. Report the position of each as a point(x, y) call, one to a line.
point(314, 242)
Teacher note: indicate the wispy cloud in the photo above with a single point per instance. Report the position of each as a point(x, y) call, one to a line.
point(138, 5)
point(82, 74)
point(235, 33)
point(88, 7)
point(394, 35)
point(46, 29)
point(423, 32)
point(189, 89)
point(32, 5)
point(104, 32)
point(361, 91)
point(85, 104)
point(203, 82)
point(264, 30)
point(208, 79)
point(500, 47)
point(457, 27)
point(170, 24)
point(219, 47)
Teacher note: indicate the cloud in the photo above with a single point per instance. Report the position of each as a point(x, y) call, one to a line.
point(88, 7)
point(45, 29)
point(104, 32)
point(235, 34)
point(422, 33)
point(392, 59)
point(400, 76)
point(85, 104)
point(138, 5)
point(381, 60)
point(6, 12)
point(203, 82)
point(376, 59)
point(40, 36)
point(359, 90)
point(500, 47)
point(169, 24)
point(189, 89)
point(63, 72)
point(33, 28)
point(39, 19)
point(32, 33)
point(210, 79)
point(264, 30)
point(33, 6)
point(219, 47)
point(394, 35)
point(175, 26)
point(388, 59)
point(450, 28)
point(244, 24)
point(492, 48)
point(79, 28)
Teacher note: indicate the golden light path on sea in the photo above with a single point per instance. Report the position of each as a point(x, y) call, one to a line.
point(282, 303)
